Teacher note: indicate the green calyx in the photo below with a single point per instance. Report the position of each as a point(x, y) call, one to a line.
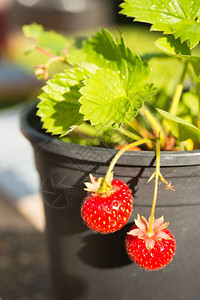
point(100, 185)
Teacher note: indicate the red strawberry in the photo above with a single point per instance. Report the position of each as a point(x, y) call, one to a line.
point(150, 251)
point(108, 211)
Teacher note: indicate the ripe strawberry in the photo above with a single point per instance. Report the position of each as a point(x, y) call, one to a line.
point(108, 211)
point(150, 251)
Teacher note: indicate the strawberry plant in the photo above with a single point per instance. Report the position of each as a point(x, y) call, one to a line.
point(107, 95)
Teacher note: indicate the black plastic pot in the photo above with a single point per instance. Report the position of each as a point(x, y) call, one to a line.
point(90, 266)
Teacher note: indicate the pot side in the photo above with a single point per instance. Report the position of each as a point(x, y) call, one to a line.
point(90, 266)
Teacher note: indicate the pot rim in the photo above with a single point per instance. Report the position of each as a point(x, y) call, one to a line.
point(90, 153)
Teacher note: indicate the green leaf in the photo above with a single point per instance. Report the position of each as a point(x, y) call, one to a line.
point(68, 82)
point(191, 8)
point(99, 51)
point(172, 46)
point(59, 118)
point(153, 11)
point(48, 40)
point(105, 44)
point(33, 30)
point(187, 30)
point(117, 87)
point(103, 51)
point(106, 101)
point(109, 86)
point(59, 106)
point(177, 17)
point(181, 129)
point(144, 94)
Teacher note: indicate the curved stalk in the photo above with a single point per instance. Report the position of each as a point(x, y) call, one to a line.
point(116, 157)
point(53, 59)
point(157, 175)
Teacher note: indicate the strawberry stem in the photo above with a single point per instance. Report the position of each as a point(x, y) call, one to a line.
point(154, 123)
point(44, 51)
point(43, 69)
point(178, 91)
point(106, 181)
point(157, 175)
point(53, 59)
point(176, 97)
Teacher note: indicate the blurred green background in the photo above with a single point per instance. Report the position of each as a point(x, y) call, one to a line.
point(77, 17)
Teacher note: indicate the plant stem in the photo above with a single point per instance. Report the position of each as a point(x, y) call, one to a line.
point(115, 159)
point(143, 132)
point(91, 132)
point(198, 94)
point(87, 130)
point(157, 174)
point(178, 92)
point(155, 124)
point(176, 99)
point(44, 51)
point(128, 133)
point(53, 59)
point(197, 82)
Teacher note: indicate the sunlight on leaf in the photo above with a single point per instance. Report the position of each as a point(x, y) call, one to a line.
point(177, 17)
point(172, 46)
point(182, 130)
